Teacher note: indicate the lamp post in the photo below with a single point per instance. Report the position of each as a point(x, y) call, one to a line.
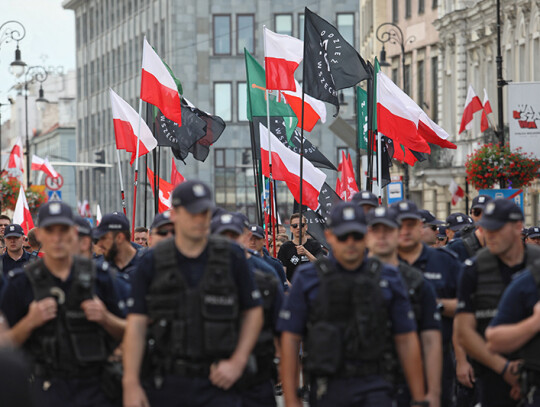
point(40, 74)
point(12, 30)
point(390, 32)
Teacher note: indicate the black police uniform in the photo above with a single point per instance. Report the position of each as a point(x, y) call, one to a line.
point(9, 264)
point(68, 353)
point(201, 299)
point(290, 257)
point(465, 246)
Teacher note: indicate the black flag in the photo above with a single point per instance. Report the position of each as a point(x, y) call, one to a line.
point(330, 62)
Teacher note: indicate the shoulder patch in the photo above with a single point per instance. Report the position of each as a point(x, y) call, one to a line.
point(468, 262)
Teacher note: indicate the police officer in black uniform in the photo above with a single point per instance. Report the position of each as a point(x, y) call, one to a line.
point(15, 256)
point(366, 200)
point(195, 309)
point(477, 208)
point(353, 313)
point(483, 281)
point(533, 235)
point(63, 312)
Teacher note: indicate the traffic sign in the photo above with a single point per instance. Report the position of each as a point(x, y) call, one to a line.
point(514, 194)
point(395, 192)
point(55, 195)
point(54, 184)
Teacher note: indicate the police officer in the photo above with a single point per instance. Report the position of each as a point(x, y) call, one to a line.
point(431, 227)
point(457, 224)
point(15, 256)
point(382, 241)
point(442, 270)
point(366, 200)
point(442, 239)
point(348, 359)
point(533, 235)
point(84, 232)
point(478, 204)
point(256, 245)
point(483, 281)
point(161, 228)
point(63, 313)
point(196, 310)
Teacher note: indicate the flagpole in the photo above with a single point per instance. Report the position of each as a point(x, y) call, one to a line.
point(155, 192)
point(256, 174)
point(145, 190)
point(136, 172)
point(379, 167)
point(274, 202)
point(121, 182)
point(300, 220)
point(369, 176)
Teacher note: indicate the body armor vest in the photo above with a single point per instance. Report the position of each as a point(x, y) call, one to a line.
point(414, 280)
point(69, 344)
point(471, 243)
point(348, 332)
point(191, 326)
point(490, 285)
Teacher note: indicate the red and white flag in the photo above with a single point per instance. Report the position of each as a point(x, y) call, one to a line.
point(314, 109)
point(348, 182)
point(433, 133)
point(176, 177)
point(165, 191)
point(40, 164)
point(484, 123)
point(21, 214)
point(282, 55)
point(98, 215)
point(158, 87)
point(15, 160)
point(126, 124)
point(286, 167)
point(456, 191)
point(472, 105)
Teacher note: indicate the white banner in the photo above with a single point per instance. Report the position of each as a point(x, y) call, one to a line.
point(524, 116)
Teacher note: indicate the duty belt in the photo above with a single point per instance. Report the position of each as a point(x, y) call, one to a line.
point(188, 368)
point(44, 372)
point(361, 369)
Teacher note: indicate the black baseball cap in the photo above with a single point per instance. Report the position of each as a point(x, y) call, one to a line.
point(243, 219)
point(457, 221)
point(365, 198)
point(533, 231)
point(382, 215)
point(406, 210)
point(498, 212)
point(347, 217)
point(161, 219)
point(429, 218)
point(83, 226)
point(226, 222)
point(111, 222)
point(13, 230)
point(193, 195)
point(257, 231)
point(480, 201)
point(54, 213)
point(441, 232)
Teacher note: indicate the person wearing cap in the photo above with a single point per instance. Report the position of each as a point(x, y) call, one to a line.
point(431, 227)
point(201, 360)
point(477, 207)
point(293, 252)
point(256, 247)
point(382, 241)
point(84, 233)
point(366, 200)
point(342, 368)
point(161, 228)
point(442, 239)
point(482, 283)
point(15, 256)
point(442, 269)
point(533, 235)
point(457, 224)
point(63, 313)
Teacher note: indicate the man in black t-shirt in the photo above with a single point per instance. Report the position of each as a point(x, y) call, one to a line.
point(293, 253)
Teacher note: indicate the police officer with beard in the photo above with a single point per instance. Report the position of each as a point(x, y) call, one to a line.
point(353, 314)
point(195, 314)
point(63, 313)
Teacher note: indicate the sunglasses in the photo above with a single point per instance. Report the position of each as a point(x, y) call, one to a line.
point(164, 232)
point(26, 247)
point(297, 224)
point(432, 227)
point(441, 238)
point(476, 212)
point(355, 235)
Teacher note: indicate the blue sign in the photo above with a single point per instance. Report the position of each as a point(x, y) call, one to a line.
point(395, 192)
point(55, 195)
point(514, 194)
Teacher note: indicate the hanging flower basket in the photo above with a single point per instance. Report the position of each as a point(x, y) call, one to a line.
point(491, 164)
point(9, 192)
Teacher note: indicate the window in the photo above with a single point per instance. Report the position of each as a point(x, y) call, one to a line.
point(222, 34)
point(434, 88)
point(242, 101)
point(421, 6)
point(283, 24)
point(407, 8)
point(434, 4)
point(301, 26)
point(395, 75)
point(407, 79)
point(223, 100)
point(420, 83)
point(345, 25)
point(395, 11)
point(245, 24)
point(78, 31)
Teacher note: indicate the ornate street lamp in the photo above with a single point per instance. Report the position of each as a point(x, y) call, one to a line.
point(12, 30)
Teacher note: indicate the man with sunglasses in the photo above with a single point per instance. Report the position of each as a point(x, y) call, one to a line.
point(431, 227)
point(161, 228)
point(533, 235)
point(478, 204)
point(293, 252)
point(348, 359)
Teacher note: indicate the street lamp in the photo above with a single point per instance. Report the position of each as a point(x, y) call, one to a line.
point(12, 30)
point(33, 73)
point(390, 32)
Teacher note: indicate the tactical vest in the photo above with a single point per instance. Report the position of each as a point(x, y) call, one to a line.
point(191, 327)
point(490, 285)
point(414, 281)
point(68, 345)
point(348, 332)
point(471, 243)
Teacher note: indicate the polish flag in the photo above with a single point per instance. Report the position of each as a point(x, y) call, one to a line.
point(433, 133)
point(40, 164)
point(398, 115)
point(456, 191)
point(484, 124)
point(472, 105)
point(98, 215)
point(126, 124)
point(176, 177)
point(314, 109)
point(22, 215)
point(282, 55)
point(286, 167)
point(165, 191)
point(158, 87)
point(16, 156)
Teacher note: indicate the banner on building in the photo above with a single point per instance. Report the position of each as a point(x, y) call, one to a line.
point(524, 116)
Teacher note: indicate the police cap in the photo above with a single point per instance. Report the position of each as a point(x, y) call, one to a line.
point(480, 201)
point(54, 213)
point(429, 218)
point(406, 210)
point(226, 222)
point(257, 231)
point(161, 219)
point(83, 226)
point(111, 222)
point(347, 217)
point(365, 198)
point(382, 215)
point(498, 212)
point(457, 221)
point(13, 230)
point(533, 232)
point(193, 195)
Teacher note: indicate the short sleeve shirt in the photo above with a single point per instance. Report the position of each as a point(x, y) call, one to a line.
point(291, 259)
